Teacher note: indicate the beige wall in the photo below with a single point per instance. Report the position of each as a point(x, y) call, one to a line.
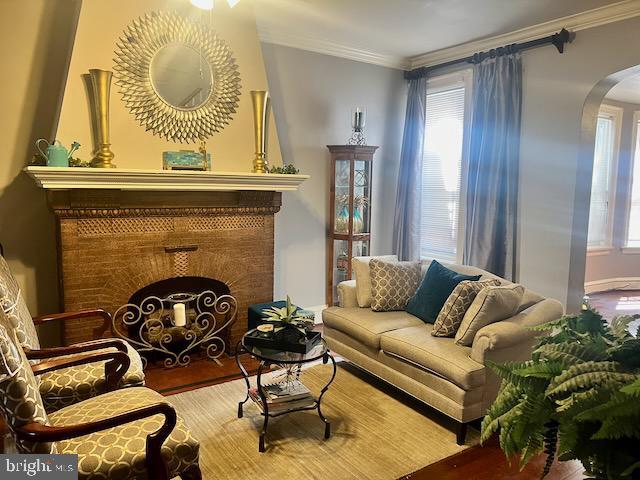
point(36, 35)
point(102, 22)
point(615, 263)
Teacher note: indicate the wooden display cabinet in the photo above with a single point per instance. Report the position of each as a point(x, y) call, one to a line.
point(349, 229)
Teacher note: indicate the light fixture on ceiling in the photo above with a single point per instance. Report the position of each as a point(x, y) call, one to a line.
point(208, 4)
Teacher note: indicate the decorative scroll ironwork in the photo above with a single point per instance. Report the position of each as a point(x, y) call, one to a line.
point(357, 138)
point(150, 326)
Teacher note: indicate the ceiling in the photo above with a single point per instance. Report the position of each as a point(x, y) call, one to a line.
point(627, 90)
point(405, 28)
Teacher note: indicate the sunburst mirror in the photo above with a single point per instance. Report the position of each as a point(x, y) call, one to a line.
point(176, 77)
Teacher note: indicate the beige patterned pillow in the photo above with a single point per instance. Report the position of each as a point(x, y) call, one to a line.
point(492, 304)
point(392, 284)
point(452, 313)
point(362, 275)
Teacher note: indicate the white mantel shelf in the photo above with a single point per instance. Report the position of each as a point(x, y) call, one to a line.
point(68, 178)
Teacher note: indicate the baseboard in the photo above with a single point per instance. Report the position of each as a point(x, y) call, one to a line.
point(605, 284)
point(317, 310)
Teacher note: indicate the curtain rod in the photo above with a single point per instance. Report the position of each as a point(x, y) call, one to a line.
point(557, 39)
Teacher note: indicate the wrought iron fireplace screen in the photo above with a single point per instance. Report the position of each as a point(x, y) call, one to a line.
point(152, 325)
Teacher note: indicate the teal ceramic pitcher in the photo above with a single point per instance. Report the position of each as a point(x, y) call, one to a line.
point(56, 154)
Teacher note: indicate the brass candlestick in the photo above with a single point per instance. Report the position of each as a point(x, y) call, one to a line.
point(261, 107)
point(101, 86)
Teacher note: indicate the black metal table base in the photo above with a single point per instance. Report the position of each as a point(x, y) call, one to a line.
point(317, 404)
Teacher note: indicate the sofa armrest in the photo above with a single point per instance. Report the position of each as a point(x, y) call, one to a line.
point(514, 331)
point(347, 294)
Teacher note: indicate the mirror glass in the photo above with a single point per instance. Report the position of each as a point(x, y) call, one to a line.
point(181, 76)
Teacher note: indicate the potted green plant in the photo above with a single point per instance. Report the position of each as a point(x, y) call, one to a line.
point(577, 398)
point(288, 325)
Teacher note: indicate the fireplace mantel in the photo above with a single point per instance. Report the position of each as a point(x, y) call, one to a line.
point(72, 178)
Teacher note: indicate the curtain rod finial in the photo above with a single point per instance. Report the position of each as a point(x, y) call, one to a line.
point(561, 38)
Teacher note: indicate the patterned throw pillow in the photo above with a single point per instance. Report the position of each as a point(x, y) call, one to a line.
point(362, 275)
point(392, 284)
point(451, 315)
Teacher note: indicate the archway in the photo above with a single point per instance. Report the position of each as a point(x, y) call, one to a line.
point(584, 173)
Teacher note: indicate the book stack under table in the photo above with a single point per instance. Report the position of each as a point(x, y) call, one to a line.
point(283, 396)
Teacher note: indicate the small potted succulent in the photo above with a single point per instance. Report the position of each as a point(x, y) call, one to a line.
point(288, 326)
point(291, 331)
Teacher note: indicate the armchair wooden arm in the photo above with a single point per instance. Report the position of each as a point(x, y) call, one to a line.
point(156, 467)
point(93, 345)
point(115, 368)
point(96, 312)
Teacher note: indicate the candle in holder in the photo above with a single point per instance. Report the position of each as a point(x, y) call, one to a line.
point(358, 120)
point(179, 315)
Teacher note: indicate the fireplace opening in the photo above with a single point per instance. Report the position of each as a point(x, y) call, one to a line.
point(174, 318)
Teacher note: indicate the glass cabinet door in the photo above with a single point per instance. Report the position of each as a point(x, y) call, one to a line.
point(361, 194)
point(343, 190)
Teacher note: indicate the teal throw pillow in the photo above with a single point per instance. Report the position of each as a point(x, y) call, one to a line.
point(432, 294)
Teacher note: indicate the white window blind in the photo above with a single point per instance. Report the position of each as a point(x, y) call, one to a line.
point(442, 171)
point(633, 229)
point(600, 212)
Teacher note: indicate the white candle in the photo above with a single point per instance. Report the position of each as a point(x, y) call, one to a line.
point(179, 315)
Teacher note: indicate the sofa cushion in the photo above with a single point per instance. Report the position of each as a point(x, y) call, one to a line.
point(393, 284)
point(360, 267)
point(366, 326)
point(452, 313)
point(492, 304)
point(436, 287)
point(438, 355)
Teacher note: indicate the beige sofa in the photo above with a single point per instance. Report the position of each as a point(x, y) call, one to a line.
point(398, 348)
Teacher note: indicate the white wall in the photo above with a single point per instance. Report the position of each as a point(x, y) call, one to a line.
point(312, 97)
point(554, 184)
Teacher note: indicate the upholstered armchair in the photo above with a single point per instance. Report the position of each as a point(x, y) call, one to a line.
point(64, 386)
point(131, 433)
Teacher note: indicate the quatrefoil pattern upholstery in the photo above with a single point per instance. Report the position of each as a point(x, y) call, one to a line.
point(16, 309)
point(20, 401)
point(66, 386)
point(392, 284)
point(119, 452)
point(114, 453)
point(452, 313)
point(70, 385)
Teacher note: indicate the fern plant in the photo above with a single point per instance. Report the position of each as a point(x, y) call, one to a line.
point(577, 398)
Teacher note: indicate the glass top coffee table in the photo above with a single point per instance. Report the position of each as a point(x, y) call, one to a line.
point(290, 364)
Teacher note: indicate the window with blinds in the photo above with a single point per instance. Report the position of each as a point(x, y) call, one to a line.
point(633, 225)
point(603, 179)
point(444, 161)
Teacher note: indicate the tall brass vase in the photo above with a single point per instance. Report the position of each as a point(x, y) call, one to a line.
point(261, 108)
point(101, 86)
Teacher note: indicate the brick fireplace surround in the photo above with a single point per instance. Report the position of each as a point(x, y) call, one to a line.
point(114, 242)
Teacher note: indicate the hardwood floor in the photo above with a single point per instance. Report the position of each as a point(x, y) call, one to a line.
point(489, 463)
point(617, 302)
point(201, 372)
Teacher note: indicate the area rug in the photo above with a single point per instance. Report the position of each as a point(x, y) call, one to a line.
point(374, 435)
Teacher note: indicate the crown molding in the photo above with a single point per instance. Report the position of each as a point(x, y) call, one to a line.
point(580, 21)
point(331, 48)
